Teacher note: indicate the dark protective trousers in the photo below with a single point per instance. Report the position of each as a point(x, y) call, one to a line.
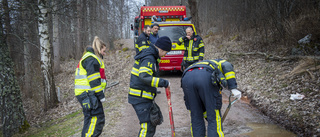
point(143, 113)
point(201, 95)
point(94, 121)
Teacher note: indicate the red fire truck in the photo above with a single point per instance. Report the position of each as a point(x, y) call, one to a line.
point(171, 20)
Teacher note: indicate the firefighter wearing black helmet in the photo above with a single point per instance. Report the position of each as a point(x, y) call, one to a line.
point(144, 82)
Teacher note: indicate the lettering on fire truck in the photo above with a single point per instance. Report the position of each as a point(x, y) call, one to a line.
point(165, 61)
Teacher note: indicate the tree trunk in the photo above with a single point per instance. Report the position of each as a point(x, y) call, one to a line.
point(121, 18)
point(279, 12)
point(50, 96)
point(92, 19)
point(193, 6)
point(55, 42)
point(27, 60)
point(128, 18)
point(1, 31)
point(7, 25)
point(12, 112)
point(84, 26)
point(78, 46)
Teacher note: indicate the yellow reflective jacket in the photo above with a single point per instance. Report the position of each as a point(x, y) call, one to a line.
point(194, 48)
point(82, 80)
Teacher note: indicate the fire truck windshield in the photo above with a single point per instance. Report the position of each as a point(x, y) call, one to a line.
point(173, 32)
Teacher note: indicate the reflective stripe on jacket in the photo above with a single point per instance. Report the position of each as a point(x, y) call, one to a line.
point(225, 67)
point(82, 79)
point(142, 42)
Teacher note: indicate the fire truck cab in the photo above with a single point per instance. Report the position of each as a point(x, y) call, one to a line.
point(171, 20)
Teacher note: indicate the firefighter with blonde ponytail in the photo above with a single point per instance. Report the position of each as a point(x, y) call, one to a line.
point(90, 82)
point(99, 47)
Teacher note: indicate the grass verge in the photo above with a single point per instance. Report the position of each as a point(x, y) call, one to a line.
point(65, 126)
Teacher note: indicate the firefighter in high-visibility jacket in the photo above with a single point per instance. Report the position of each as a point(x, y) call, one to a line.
point(202, 84)
point(194, 48)
point(144, 82)
point(90, 82)
point(143, 41)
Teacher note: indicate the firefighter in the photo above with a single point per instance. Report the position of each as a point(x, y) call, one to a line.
point(144, 82)
point(202, 83)
point(90, 82)
point(143, 40)
point(154, 33)
point(194, 48)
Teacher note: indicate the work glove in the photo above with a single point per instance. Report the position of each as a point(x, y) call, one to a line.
point(86, 104)
point(93, 99)
point(167, 83)
point(102, 100)
point(182, 66)
point(184, 38)
point(236, 93)
point(221, 79)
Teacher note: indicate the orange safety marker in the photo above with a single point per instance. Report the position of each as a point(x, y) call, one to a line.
point(168, 93)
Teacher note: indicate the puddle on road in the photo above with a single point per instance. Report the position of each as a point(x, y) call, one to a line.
point(268, 130)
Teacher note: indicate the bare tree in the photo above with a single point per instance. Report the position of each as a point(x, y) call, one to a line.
point(27, 55)
point(50, 96)
point(7, 21)
point(193, 6)
point(92, 19)
point(121, 2)
point(55, 39)
point(79, 28)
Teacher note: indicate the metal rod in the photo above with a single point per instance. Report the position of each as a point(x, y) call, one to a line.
point(228, 108)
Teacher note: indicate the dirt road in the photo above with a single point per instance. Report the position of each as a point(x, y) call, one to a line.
point(241, 119)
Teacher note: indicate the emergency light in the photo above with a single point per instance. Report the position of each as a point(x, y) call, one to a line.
point(187, 18)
